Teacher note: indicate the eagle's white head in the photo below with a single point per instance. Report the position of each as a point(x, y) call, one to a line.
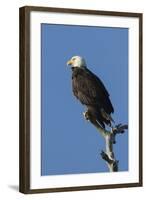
point(77, 61)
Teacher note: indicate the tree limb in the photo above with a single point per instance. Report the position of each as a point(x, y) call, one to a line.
point(110, 139)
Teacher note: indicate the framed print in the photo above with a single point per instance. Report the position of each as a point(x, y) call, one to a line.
point(80, 99)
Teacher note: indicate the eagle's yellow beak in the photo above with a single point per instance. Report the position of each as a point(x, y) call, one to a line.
point(70, 62)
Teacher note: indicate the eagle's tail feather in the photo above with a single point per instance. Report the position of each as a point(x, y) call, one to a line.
point(100, 123)
point(100, 116)
point(107, 116)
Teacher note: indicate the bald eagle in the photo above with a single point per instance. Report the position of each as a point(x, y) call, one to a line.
point(91, 92)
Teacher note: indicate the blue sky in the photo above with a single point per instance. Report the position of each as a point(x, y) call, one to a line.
point(70, 144)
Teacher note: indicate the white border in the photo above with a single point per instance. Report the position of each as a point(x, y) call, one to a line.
point(132, 176)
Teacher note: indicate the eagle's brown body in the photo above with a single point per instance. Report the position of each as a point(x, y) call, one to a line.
point(90, 91)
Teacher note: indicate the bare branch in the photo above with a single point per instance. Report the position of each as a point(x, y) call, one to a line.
point(109, 137)
point(106, 158)
point(120, 128)
point(112, 164)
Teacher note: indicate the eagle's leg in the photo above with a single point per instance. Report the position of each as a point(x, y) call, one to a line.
point(86, 115)
point(89, 116)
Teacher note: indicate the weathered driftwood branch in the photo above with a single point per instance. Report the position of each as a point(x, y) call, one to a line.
point(110, 139)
